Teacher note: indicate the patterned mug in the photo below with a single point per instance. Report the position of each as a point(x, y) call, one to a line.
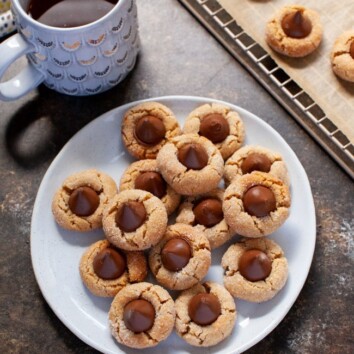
point(76, 61)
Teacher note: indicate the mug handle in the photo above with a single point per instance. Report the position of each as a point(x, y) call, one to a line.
point(27, 79)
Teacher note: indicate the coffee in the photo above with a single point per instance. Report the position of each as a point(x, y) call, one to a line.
point(69, 13)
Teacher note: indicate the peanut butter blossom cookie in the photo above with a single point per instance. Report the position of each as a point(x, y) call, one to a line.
point(181, 258)
point(294, 31)
point(105, 270)
point(218, 123)
point(134, 220)
point(78, 204)
point(145, 175)
point(142, 315)
point(147, 127)
point(190, 164)
point(255, 158)
point(254, 269)
point(342, 56)
point(205, 213)
point(256, 204)
point(205, 314)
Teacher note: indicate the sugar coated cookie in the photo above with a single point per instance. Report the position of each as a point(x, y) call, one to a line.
point(147, 127)
point(205, 213)
point(256, 204)
point(181, 258)
point(142, 315)
point(342, 56)
point(134, 220)
point(205, 314)
point(255, 158)
point(295, 31)
point(254, 269)
point(145, 175)
point(218, 123)
point(191, 164)
point(105, 270)
point(78, 204)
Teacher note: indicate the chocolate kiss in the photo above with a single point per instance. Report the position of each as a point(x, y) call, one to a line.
point(255, 265)
point(296, 25)
point(130, 216)
point(139, 315)
point(193, 156)
point(109, 264)
point(204, 309)
point(151, 182)
point(351, 51)
point(84, 201)
point(150, 130)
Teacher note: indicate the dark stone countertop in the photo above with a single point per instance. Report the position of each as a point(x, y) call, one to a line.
point(177, 57)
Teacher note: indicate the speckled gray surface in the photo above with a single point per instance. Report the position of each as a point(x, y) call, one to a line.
point(177, 57)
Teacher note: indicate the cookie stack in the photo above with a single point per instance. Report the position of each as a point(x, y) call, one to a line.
point(168, 214)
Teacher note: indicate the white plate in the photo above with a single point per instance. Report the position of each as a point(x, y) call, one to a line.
point(56, 253)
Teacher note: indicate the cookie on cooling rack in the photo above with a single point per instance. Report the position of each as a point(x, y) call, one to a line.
point(294, 31)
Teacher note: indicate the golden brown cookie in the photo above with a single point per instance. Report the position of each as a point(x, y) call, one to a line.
point(342, 56)
point(256, 204)
point(147, 127)
point(191, 164)
point(142, 315)
point(145, 175)
point(182, 258)
point(205, 314)
point(255, 158)
point(135, 220)
point(204, 212)
point(295, 31)
point(254, 269)
point(78, 204)
point(218, 123)
point(105, 270)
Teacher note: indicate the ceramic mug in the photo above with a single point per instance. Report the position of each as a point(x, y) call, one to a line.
point(76, 61)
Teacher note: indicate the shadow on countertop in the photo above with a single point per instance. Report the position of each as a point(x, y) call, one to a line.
point(43, 125)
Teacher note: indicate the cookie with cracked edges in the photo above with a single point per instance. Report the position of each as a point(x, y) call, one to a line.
point(79, 203)
point(182, 258)
point(204, 212)
point(145, 175)
point(147, 127)
point(257, 275)
point(205, 314)
point(294, 31)
point(251, 158)
point(218, 123)
point(256, 204)
point(134, 220)
point(191, 164)
point(142, 315)
point(105, 270)
point(342, 56)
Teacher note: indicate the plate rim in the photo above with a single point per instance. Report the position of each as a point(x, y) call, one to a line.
point(162, 99)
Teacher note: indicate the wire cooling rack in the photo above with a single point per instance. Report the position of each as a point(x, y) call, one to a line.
point(275, 80)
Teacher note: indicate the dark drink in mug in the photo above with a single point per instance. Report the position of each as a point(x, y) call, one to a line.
point(69, 13)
